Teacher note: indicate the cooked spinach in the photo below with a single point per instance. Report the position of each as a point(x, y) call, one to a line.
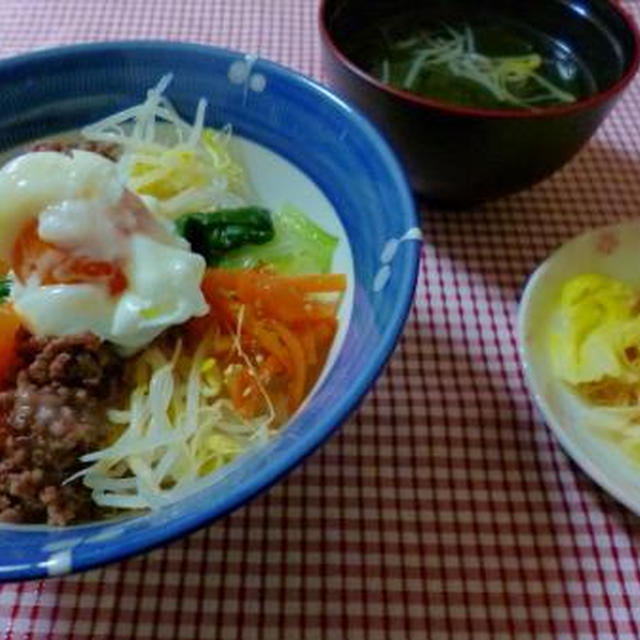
point(215, 233)
point(5, 288)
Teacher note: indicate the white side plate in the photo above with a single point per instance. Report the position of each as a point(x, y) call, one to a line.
point(612, 251)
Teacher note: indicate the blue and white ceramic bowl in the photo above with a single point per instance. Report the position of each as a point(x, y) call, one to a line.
point(301, 144)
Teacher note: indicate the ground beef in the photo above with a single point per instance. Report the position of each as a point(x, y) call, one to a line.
point(106, 149)
point(53, 413)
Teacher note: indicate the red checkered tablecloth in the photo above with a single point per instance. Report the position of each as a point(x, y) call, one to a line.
point(444, 509)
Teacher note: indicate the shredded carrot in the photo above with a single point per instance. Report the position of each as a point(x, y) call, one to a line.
point(276, 296)
point(272, 345)
point(243, 393)
point(311, 283)
point(222, 344)
point(307, 338)
point(299, 375)
point(286, 329)
point(270, 368)
point(9, 325)
point(324, 283)
point(220, 307)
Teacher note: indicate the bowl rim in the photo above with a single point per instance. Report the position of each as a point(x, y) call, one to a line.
point(421, 101)
point(156, 536)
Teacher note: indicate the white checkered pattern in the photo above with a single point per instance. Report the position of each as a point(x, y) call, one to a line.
point(444, 509)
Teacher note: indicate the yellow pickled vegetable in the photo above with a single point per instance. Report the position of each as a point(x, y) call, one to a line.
point(596, 343)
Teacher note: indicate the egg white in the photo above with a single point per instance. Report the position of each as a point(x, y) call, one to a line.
point(74, 199)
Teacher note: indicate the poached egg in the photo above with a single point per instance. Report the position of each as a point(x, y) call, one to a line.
point(87, 255)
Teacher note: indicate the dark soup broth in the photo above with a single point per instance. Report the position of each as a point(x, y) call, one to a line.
point(489, 66)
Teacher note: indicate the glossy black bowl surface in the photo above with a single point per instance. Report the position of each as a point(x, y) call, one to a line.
point(457, 155)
